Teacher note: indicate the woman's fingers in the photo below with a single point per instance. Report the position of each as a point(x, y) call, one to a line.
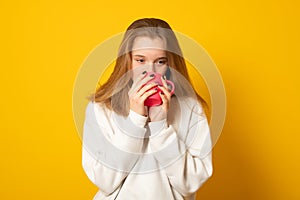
point(146, 88)
point(166, 92)
point(163, 79)
point(140, 81)
point(137, 101)
point(148, 93)
point(145, 80)
point(165, 101)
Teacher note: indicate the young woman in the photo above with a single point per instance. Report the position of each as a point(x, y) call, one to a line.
point(154, 152)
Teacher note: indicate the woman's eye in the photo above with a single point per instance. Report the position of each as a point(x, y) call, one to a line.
point(140, 60)
point(161, 62)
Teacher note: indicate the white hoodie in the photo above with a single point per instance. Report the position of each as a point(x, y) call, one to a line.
point(129, 158)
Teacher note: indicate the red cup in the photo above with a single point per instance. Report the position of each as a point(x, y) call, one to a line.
point(155, 99)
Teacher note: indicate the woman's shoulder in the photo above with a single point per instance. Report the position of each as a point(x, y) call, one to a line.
point(190, 102)
point(96, 108)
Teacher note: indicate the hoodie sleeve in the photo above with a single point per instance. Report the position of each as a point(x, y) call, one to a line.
point(108, 151)
point(186, 161)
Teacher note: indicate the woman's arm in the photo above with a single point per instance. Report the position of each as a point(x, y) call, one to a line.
point(104, 154)
point(187, 166)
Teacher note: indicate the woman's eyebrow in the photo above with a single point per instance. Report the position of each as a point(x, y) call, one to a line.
point(139, 56)
point(161, 58)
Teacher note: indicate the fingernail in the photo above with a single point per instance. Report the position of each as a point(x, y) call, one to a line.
point(144, 72)
point(151, 75)
point(164, 77)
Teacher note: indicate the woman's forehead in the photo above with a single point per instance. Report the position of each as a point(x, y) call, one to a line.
point(145, 43)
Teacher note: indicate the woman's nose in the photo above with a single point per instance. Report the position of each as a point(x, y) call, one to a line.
point(151, 67)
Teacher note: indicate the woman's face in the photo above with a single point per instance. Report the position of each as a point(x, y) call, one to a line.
point(148, 55)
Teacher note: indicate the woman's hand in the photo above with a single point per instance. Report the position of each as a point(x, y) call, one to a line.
point(157, 113)
point(139, 92)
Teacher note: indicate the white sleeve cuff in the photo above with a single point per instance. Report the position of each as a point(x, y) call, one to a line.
point(137, 119)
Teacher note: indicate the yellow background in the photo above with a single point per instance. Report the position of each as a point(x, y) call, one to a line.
point(255, 45)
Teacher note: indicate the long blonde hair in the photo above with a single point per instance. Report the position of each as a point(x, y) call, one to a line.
point(153, 28)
